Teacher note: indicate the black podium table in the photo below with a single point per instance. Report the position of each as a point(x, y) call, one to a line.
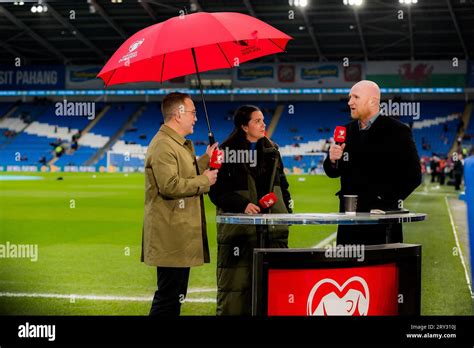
point(335, 280)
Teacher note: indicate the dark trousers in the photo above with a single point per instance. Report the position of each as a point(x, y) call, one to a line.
point(172, 289)
point(369, 234)
point(442, 178)
point(457, 181)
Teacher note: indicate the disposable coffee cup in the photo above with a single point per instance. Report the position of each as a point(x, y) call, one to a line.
point(350, 204)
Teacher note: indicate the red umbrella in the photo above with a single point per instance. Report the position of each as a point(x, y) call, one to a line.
point(191, 44)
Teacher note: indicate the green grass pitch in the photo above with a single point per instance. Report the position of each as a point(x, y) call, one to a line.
point(88, 230)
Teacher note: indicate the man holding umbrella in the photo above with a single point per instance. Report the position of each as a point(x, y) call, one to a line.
point(180, 46)
point(174, 228)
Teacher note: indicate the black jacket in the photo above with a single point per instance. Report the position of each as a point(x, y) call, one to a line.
point(232, 178)
point(381, 166)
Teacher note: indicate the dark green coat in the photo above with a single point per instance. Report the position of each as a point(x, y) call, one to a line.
point(238, 185)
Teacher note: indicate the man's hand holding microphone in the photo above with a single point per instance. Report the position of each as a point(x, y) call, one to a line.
point(335, 152)
point(215, 163)
point(337, 149)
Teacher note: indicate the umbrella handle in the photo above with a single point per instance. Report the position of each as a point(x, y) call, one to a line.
point(212, 140)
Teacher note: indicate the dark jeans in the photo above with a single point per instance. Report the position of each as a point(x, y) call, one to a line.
point(172, 289)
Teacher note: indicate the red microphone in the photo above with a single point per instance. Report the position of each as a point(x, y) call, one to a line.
point(340, 134)
point(339, 137)
point(216, 159)
point(268, 200)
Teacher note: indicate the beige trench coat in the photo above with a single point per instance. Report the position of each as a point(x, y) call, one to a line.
point(174, 227)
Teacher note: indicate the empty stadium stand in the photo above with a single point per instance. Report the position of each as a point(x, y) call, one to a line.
point(303, 131)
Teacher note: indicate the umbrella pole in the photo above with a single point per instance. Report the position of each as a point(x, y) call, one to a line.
point(211, 136)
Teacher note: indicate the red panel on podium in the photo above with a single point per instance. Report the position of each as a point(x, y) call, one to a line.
point(365, 290)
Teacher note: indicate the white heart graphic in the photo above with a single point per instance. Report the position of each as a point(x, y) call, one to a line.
point(332, 304)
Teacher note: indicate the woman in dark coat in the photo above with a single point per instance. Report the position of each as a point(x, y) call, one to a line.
point(238, 189)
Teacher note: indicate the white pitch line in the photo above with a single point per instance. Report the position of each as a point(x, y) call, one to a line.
point(194, 290)
point(96, 297)
point(325, 241)
point(424, 193)
point(466, 273)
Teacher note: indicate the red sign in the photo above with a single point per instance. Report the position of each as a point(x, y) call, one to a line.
point(369, 290)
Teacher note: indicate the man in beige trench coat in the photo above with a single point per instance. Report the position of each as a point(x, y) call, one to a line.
point(174, 228)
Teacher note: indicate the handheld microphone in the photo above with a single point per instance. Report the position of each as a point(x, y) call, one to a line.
point(216, 159)
point(268, 200)
point(340, 134)
point(339, 137)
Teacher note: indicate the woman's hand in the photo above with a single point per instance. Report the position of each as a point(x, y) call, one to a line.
point(252, 209)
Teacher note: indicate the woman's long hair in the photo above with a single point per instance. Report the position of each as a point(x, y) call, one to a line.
point(242, 117)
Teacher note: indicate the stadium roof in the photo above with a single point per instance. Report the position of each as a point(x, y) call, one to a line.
point(324, 30)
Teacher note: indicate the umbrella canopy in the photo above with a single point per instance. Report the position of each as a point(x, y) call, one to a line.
point(190, 44)
point(164, 51)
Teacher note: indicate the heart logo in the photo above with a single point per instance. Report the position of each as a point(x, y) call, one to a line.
point(327, 297)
